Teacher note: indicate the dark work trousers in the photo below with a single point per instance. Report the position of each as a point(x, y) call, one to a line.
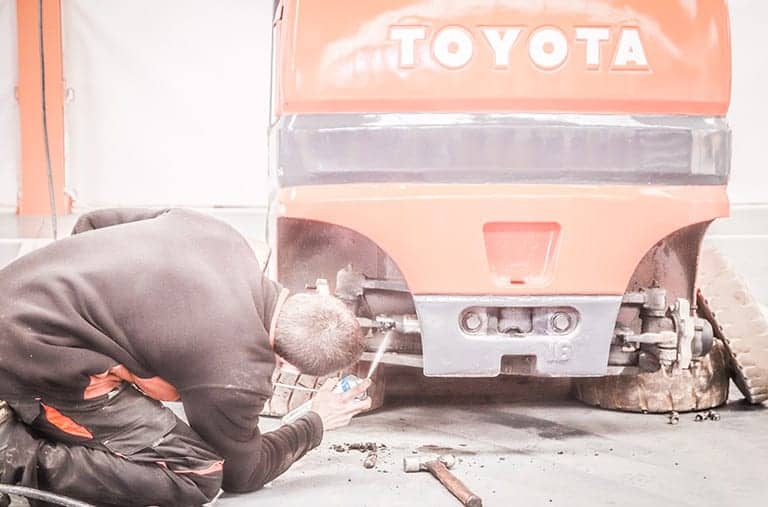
point(122, 448)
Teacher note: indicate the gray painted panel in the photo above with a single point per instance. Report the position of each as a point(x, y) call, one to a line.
point(448, 351)
point(495, 148)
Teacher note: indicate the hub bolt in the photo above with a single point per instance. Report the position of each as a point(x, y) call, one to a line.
point(472, 322)
point(561, 322)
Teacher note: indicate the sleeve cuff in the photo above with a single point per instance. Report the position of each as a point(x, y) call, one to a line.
point(316, 424)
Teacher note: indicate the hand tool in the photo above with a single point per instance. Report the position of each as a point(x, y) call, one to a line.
point(438, 467)
point(295, 388)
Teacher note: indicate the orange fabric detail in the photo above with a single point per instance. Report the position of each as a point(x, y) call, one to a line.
point(341, 56)
point(215, 467)
point(435, 232)
point(155, 387)
point(64, 423)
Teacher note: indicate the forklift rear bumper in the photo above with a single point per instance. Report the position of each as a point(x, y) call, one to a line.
point(456, 341)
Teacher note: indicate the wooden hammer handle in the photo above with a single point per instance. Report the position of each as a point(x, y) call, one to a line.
point(454, 485)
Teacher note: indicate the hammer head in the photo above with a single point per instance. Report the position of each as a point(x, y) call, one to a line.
point(418, 463)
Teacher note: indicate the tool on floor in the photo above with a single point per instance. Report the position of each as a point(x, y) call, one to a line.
point(438, 467)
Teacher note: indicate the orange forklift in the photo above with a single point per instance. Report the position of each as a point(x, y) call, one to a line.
point(517, 188)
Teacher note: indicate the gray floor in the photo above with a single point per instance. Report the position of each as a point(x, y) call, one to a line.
point(550, 452)
point(546, 451)
point(526, 445)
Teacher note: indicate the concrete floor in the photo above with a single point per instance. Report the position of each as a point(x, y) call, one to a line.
point(542, 452)
point(547, 452)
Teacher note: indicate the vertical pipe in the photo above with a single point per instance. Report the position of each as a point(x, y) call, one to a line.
point(34, 196)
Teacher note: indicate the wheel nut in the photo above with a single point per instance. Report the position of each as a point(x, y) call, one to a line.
point(472, 322)
point(561, 322)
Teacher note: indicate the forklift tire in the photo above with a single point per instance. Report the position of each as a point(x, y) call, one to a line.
point(703, 386)
point(726, 301)
point(285, 399)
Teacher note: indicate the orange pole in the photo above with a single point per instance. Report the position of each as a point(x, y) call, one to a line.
point(34, 194)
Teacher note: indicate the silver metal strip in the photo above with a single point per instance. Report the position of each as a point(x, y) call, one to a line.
point(450, 352)
point(318, 149)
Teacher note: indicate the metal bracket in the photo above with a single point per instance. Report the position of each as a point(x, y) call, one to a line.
point(685, 324)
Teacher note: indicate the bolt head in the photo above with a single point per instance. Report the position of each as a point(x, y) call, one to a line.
point(561, 322)
point(472, 321)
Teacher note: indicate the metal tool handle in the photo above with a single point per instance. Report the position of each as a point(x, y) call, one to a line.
point(454, 485)
point(297, 412)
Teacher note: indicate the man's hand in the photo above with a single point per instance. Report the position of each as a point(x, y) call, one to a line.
point(337, 409)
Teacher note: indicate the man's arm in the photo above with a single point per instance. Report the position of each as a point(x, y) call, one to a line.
point(101, 218)
point(227, 419)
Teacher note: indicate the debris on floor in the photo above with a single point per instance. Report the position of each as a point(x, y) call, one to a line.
point(370, 460)
point(358, 446)
point(711, 415)
point(674, 417)
point(371, 450)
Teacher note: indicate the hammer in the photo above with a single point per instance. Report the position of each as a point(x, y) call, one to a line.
point(438, 467)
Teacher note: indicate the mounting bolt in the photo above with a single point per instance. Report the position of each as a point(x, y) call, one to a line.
point(472, 322)
point(561, 322)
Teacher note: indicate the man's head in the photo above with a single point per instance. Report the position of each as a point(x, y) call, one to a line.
point(317, 334)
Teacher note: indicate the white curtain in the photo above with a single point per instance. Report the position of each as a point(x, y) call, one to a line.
point(168, 101)
point(749, 108)
point(9, 110)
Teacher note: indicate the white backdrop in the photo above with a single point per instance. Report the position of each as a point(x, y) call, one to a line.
point(748, 115)
point(9, 111)
point(169, 101)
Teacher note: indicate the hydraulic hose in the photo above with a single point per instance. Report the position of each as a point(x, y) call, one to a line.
point(46, 142)
point(36, 494)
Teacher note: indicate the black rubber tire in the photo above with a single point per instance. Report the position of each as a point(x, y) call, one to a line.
point(702, 387)
point(284, 399)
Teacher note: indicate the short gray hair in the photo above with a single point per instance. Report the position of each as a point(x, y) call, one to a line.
point(318, 334)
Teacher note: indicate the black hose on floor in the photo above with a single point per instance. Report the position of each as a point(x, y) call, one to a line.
point(36, 494)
